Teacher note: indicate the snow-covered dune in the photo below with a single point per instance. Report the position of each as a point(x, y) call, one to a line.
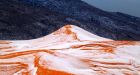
point(69, 51)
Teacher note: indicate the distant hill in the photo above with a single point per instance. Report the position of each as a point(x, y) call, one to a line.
point(29, 19)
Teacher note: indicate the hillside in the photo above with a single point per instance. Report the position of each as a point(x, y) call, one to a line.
point(30, 19)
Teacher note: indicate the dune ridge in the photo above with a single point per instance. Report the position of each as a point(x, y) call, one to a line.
point(69, 51)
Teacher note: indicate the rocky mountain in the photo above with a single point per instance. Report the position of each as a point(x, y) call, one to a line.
point(69, 51)
point(29, 19)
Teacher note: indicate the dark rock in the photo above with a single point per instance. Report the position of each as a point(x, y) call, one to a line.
point(29, 19)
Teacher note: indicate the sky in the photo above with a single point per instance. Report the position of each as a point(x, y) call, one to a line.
point(131, 7)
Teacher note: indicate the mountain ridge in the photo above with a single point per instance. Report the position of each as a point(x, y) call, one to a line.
point(26, 20)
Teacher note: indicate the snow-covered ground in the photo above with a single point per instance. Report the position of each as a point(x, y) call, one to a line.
point(69, 51)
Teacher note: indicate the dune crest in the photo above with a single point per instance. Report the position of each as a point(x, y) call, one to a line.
point(69, 51)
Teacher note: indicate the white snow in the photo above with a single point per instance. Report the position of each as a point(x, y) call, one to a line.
point(88, 54)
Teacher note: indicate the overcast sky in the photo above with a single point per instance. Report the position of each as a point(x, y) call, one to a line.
point(126, 6)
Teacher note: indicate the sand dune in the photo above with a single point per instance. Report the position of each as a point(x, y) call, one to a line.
point(69, 51)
